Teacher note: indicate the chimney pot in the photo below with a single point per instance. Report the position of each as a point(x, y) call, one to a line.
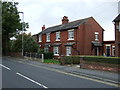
point(65, 20)
point(43, 27)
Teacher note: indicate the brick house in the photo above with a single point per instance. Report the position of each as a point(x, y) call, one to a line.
point(109, 48)
point(80, 37)
point(117, 35)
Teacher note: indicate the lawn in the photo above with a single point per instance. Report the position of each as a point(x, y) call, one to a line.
point(51, 61)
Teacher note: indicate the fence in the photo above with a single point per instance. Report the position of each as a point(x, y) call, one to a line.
point(35, 56)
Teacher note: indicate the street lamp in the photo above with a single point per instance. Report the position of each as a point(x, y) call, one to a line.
point(22, 29)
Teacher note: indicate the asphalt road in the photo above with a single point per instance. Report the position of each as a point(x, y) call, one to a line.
point(22, 75)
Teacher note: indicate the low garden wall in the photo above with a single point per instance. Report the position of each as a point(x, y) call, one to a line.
point(93, 62)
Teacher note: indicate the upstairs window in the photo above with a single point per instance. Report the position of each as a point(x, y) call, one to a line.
point(48, 37)
point(96, 36)
point(40, 38)
point(71, 34)
point(57, 36)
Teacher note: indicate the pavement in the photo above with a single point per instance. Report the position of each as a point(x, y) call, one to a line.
point(75, 69)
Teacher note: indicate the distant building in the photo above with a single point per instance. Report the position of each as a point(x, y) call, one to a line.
point(80, 37)
point(109, 48)
point(117, 35)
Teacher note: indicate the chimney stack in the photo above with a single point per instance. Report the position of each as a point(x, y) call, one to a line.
point(43, 27)
point(65, 20)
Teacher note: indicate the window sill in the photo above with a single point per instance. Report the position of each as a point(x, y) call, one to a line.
point(70, 39)
point(96, 40)
point(57, 40)
point(47, 41)
point(39, 41)
point(56, 54)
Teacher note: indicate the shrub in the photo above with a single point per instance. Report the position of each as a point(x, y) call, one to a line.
point(110, 60)
point(48, 55)
point(70, 60)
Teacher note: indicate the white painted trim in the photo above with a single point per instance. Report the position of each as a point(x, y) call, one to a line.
point(108, 45)
point(96, 32)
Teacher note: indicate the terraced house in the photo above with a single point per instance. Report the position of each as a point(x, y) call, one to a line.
point(80, 37)
point(117, 35)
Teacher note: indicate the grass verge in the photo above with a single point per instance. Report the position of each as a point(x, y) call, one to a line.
point(51, 61)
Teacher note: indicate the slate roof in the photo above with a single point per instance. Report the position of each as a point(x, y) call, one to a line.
point(117, 18)
point(66, 26)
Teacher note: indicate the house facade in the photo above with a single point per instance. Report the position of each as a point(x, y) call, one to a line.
point(80, 37)
point(109, 48)
point(117, 35)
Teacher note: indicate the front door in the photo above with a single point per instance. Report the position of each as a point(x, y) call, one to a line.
point(96, 51)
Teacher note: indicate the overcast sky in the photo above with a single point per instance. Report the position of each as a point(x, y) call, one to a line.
point(50, 12)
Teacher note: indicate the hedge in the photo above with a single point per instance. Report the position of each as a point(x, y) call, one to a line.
point(48, 55)
point(100, 59)
point(110, 60)
point(70, 60)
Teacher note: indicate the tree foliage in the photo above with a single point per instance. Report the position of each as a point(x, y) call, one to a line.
point(11, 23)
point(29, 44)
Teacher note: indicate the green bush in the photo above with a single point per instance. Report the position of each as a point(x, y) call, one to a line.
point(110, 60)
point(99, 59)
point(48, 55)
point(70, 60)
point(51, 61)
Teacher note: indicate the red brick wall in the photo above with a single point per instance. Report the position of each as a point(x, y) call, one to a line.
point(87, 35)
point(117, 40)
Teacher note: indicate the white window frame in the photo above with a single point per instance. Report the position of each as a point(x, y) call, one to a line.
point(71, 34)
point(68, 50)
point(40, 38)
point(56, 50)
point(96, 36)
point(57, 36)
point(48, 37)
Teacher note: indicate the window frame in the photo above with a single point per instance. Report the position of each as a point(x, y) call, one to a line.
point(56, 49)
point(40, 38)
point(68, 50)
point(96, 36)
point(46, 49)
point(58, 36)
point(71, 34)
point(48, 37)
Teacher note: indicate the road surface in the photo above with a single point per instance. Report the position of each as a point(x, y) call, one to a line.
point(17, 74)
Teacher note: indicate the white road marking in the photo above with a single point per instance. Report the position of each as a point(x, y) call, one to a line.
point(5, 67)
point(31, 80)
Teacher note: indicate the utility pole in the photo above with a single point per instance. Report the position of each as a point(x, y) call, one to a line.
point(22, 30)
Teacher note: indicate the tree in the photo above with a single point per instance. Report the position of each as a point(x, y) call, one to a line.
point(29, 44)
point(11, 24)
